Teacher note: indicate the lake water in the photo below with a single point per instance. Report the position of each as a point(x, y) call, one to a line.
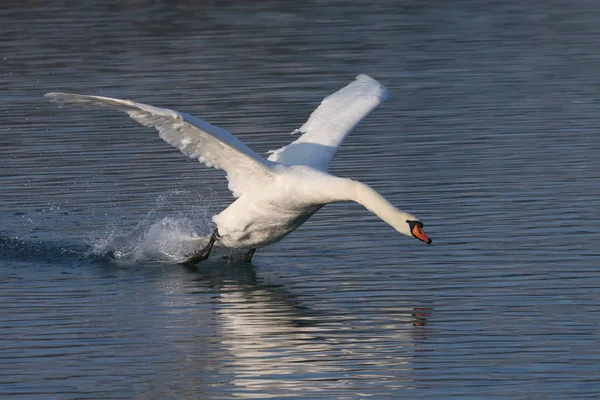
point(490, 136)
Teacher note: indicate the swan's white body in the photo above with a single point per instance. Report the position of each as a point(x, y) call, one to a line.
point(277, 195)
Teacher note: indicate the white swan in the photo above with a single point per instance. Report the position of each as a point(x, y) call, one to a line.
point(274, 196)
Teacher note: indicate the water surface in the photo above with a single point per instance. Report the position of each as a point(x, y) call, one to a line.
point(489, 136)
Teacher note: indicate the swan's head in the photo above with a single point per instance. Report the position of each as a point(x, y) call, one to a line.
point(409, 225)
point(415, 227)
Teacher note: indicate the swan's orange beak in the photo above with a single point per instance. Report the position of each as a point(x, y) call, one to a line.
point(416, 228)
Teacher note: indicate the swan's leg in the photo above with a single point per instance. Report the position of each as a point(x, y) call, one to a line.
point(202, 254)
point(248, 256)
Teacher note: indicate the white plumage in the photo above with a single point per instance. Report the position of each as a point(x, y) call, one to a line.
point(276, 195)
point(331, 123)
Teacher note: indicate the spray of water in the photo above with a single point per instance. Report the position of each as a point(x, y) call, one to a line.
point(159, 237)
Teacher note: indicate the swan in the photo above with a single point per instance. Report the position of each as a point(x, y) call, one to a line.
point(277, 195)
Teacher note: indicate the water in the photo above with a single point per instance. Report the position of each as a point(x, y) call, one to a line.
point(489, 136)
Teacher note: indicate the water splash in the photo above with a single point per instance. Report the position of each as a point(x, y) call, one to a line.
point(159, 238)
point(167, 240)
point(178, 224)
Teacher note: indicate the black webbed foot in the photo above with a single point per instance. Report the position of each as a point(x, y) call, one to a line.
point(201, 254)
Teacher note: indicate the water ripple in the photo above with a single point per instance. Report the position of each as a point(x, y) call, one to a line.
point(489, 135)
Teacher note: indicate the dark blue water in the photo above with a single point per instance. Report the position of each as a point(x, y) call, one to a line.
point(490, 136)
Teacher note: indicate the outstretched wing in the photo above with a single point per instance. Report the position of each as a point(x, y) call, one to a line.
point(330, 123)
point(211, 145)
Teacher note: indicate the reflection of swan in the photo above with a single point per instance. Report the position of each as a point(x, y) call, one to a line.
point(277, 195)
point(266, 341)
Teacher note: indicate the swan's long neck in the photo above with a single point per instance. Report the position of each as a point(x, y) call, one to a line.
point(363, 194)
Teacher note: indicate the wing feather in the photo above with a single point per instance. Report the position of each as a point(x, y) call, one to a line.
point(211, 145)
point(331, 123)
